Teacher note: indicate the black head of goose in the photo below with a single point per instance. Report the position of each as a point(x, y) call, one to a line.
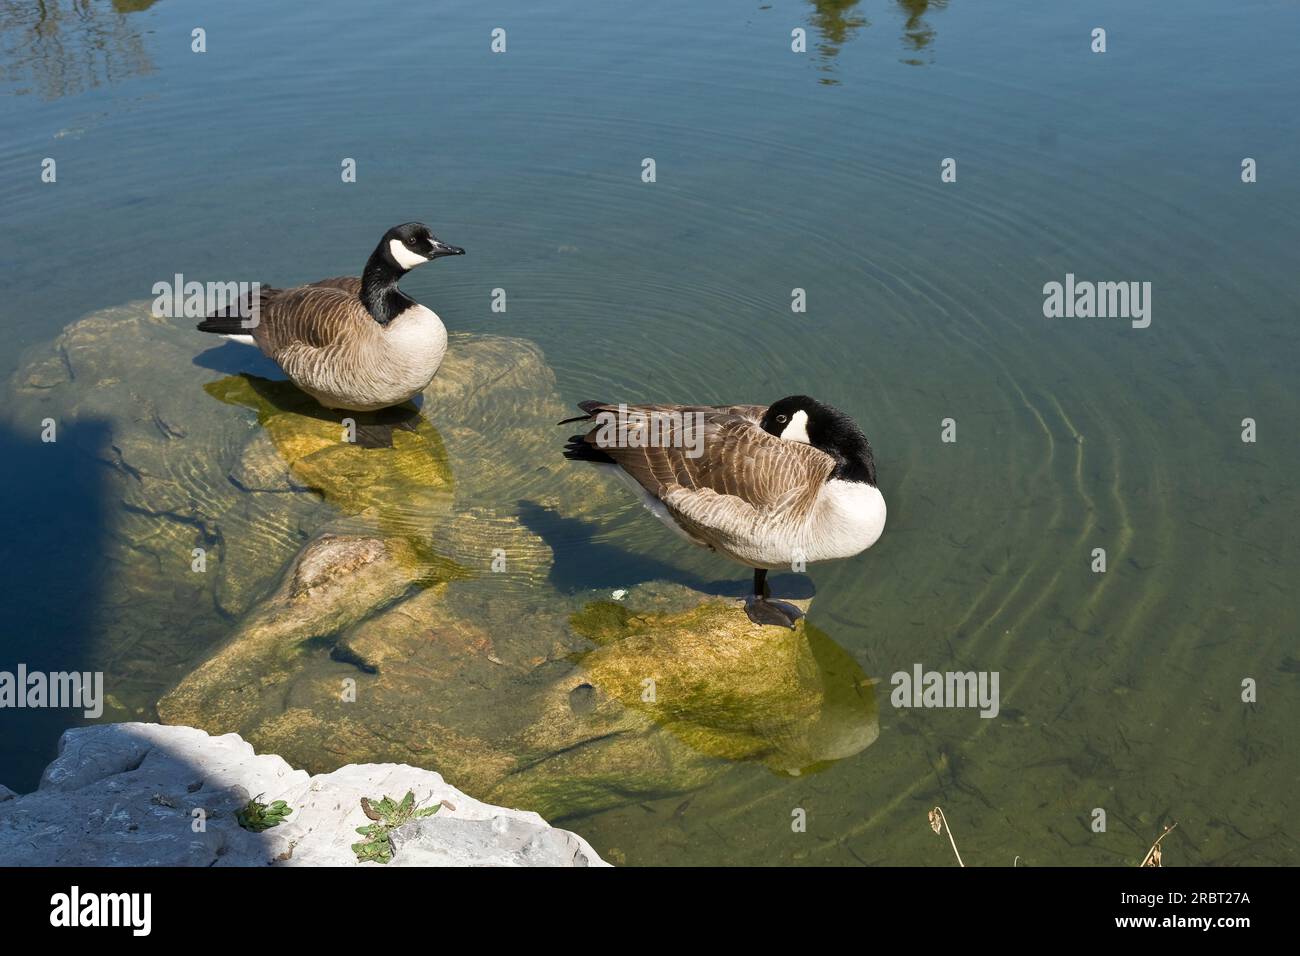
point(826, 428)
point(768, 486)
point(351, 342)
point(402, 249)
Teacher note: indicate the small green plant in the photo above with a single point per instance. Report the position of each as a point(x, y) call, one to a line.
point(388, 814)
point(257, 816)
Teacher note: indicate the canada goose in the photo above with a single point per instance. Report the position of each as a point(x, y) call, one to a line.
point(353, 343)
point(766, 486)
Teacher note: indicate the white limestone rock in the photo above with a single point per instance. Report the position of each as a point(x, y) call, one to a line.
point(328, 812)
point(136, 794)
point(446, 840)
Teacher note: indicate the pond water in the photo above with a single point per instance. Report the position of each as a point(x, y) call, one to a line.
point(774, 171)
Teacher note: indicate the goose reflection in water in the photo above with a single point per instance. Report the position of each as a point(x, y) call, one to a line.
point(838, 21)
point(60, 48)
point(917, 32)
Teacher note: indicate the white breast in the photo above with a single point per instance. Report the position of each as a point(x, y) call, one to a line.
point(414, 344)
point(849, 517)
point(417, 336)
point(385, 366)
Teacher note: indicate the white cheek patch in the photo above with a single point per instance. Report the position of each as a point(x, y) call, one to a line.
point(797, 430)
point(403, 256)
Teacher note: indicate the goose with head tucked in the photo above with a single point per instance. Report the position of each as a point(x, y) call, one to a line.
point(353, 343)
point(767, 486)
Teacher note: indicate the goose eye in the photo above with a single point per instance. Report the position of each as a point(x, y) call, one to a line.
point(780, 419)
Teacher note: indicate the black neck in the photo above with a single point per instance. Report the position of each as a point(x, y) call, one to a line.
point(379, 292)
point(854, 459)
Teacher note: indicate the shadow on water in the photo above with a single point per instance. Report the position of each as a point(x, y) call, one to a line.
point(231, 358)
point(372, 429)
point(583, 563)
point(62, 47)
point(53, 535)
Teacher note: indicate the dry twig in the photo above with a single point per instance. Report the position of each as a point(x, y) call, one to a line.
point(1153, 855)
point(939, 823)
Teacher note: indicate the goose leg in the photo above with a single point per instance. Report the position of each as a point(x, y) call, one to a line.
point(761, 609)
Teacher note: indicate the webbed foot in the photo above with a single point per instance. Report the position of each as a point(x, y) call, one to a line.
point(777, 613)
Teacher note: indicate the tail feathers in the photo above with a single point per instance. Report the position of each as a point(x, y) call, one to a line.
point(579, 449)
point(590, 407)
point(235, 319)
point(224, 325)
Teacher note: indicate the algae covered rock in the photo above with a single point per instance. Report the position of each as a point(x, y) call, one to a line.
point(370, 652)
point(335, 581)
point(669, 699)
point(665, 701)
point(791, 699)
point(374, 587)
point(391, 462)
point(209, 483)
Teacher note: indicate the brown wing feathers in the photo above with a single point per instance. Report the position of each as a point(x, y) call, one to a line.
point(738, 460)
point(350, 284)
point(311, 316)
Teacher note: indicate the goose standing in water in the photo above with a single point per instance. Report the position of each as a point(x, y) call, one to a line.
point(768, 486)
point(354, 343)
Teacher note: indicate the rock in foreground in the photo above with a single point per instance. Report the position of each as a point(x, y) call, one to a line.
point(147, 795)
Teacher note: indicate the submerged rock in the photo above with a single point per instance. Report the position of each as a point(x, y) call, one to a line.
point(211, 483)
point(125, 396)
point(146, 795)
point(670, 698)
point(391, 463)
point(792, 699)
point(335, 581)
point(389, 599)
point(666, 701)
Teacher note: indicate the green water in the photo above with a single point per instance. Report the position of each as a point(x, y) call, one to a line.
point(774, 171)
